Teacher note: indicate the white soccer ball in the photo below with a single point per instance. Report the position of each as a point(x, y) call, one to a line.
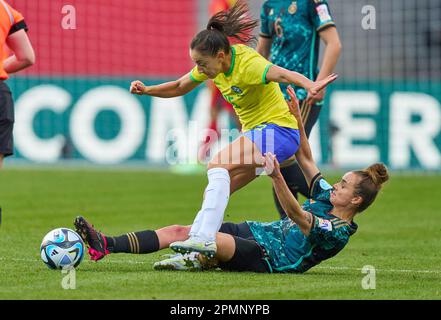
point(62, 248)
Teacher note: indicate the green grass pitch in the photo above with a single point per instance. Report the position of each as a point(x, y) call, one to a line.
point(399, 235)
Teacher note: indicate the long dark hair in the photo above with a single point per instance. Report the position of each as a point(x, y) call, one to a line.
point(234, 23)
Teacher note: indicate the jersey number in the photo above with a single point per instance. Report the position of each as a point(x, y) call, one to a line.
point(278, 27)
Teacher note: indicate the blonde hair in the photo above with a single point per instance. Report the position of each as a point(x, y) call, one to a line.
point(372, 179)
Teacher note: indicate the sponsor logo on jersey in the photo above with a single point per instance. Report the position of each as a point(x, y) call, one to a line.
point(323, 13)
point(325, 185)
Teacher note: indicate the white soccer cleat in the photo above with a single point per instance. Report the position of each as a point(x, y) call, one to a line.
point(207, 248)
point(180, 262)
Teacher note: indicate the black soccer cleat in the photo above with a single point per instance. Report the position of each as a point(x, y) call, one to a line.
point(96, 241)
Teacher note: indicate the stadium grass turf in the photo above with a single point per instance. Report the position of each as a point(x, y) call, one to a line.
point(399, 235)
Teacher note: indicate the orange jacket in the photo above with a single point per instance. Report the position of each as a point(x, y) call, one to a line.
point(10, 21)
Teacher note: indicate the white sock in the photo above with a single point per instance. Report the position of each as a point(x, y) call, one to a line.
point(196, 224)
point(215, 202)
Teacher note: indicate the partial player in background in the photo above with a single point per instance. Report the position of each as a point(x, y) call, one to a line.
point(290, 37)
point(218, 103)
point(13, 38)
point(310, 234)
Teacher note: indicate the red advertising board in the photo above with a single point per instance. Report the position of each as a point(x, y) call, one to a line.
point(110, 37)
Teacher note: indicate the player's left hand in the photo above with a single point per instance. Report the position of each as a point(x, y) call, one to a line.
point(271, 165)
point(313, 99)
point(317, 86)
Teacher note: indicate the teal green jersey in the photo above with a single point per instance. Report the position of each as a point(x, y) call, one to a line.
point(293, 27)
point(289, 250)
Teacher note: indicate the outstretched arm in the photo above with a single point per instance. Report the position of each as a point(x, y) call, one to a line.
point(289, 203)
point(303, 155)
point(281, 75)
point(165, 90)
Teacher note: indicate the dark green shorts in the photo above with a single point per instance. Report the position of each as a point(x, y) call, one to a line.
point(249, 255)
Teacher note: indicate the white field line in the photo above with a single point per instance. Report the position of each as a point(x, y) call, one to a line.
point(318, 267)
point(382, 270)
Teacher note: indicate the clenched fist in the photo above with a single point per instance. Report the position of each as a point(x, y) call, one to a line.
point(137, 87)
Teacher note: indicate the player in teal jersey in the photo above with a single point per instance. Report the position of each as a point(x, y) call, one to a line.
point(290, 36)
point(320, 228)
point(309, 234)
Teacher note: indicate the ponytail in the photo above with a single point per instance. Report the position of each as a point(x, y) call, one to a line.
point(233, 23)
point(372, 179)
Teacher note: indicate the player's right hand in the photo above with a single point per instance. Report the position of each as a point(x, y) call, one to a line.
point(271, 165)
point(293, 104)
point(137, 87)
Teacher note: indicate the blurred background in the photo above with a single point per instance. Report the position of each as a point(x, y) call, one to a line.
point(74, 105)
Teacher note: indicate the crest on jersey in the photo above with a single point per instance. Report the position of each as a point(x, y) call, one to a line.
point(236, 90)
point(293, 7)
point(324, 224)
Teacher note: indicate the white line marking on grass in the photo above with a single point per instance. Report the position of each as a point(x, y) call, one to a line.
point(107, 261)
point(318, 267)
point(18, 260)
point(382, 270)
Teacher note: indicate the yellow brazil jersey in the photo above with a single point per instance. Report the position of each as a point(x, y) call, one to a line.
point(244, 86)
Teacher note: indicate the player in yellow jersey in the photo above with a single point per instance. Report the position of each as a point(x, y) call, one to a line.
point(250, 83)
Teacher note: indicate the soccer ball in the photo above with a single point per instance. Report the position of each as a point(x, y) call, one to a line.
point(62, 248)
